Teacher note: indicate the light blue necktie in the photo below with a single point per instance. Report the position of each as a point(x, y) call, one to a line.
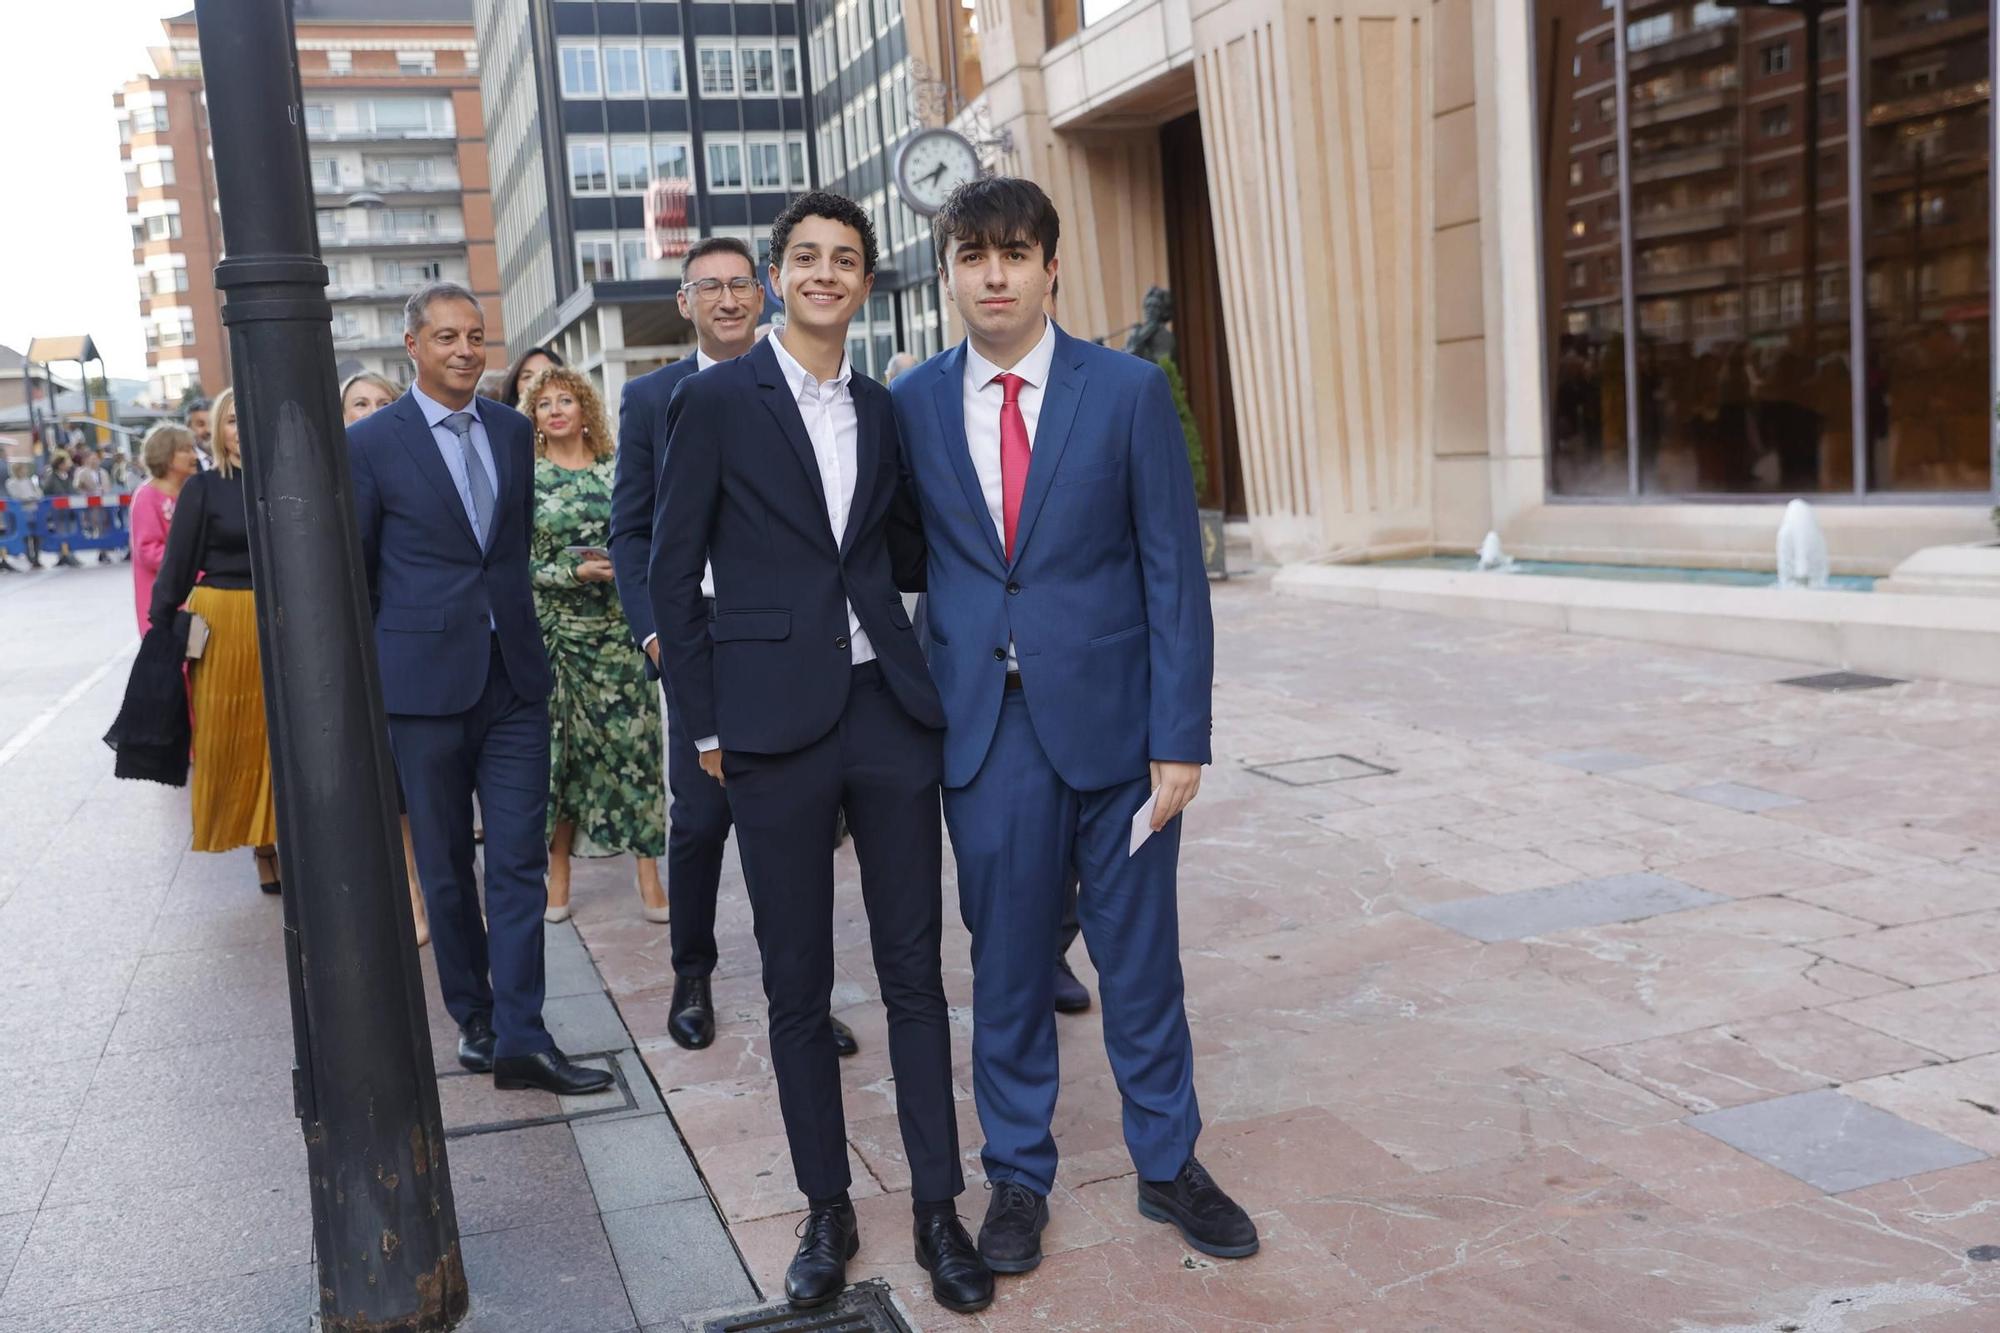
point(460, 424)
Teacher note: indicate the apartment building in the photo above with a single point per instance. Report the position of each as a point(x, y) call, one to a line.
point(390, 96)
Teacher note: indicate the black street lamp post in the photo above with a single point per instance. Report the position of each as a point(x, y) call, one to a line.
point(384, 1230)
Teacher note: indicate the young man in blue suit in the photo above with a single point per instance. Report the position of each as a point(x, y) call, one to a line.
point(721, 296)
point(444, 496)
point(807, 695)
point(1071, 642)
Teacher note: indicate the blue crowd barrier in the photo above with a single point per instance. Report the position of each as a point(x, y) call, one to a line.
point(80, 523)
point(14, 528)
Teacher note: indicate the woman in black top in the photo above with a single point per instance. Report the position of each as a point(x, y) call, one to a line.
point(207, 566)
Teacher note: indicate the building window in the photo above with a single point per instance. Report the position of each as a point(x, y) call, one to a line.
point(416, 62)
point(596, 261)
point(665, 75)
point(1607, 163)
point(788, 70)
point(340, 62)
point(760, 71)
point(579, 72)
point(150, 119)
point(630, 167)
point(798, 177)
point(154, 175)
point(725, 165)
point(163, 227)
point(621, 72)
point(670, 160)
point(325, 174)
point(718, 70)
point(632, 257)
point(767, 166)
point(589, 168)
point(319, 119)
point(1745, 375)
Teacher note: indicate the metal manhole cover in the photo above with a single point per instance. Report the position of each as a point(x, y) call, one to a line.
point(1320, 769)
point(1836, 681)
point(864, 1308)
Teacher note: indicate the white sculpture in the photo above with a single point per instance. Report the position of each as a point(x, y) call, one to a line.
point(1492, 558)
point(1802, 556)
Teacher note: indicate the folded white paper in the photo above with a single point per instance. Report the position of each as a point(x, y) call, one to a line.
point(1142, 823)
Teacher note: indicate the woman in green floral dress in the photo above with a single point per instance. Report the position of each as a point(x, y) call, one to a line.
point(606, 797)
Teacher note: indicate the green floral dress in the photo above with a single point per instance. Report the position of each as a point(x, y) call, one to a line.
point(604, 717)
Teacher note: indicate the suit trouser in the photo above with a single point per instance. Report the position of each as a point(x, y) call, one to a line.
point(697, 830)
point(1017, 830)
point(882, 767)
point(498, 748)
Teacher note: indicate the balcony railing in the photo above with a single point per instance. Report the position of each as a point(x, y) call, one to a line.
point(387, 236)
point(1695, 278)
point(1683, 221)
point(1709, 37)
point(1680, 106)
point(357, 134)
point(442, 183)
point(1685, 162)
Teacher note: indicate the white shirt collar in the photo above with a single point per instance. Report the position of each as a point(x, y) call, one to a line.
point(796, 375)
point(702, 360)
point(1034, 367)
point(434, 411)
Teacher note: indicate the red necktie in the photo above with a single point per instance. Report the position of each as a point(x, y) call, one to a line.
point(1015, 453)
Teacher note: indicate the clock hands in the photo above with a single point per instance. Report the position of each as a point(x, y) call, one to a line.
point(935, 175)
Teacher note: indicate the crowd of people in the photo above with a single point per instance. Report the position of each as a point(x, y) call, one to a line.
point(740, 556)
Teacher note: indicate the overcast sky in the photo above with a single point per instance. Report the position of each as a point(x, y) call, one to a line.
point(65, 247)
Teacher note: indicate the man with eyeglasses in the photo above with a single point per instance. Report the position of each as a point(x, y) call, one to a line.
point(721, 296)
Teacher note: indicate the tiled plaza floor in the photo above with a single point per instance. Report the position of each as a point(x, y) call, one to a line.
point(1639, 992)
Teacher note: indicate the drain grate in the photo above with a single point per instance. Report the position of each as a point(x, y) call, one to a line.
point(864, 1308)
point(1834, 682)
point(1319, 770)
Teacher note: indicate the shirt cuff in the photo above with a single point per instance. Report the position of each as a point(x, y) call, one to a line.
point(708, 743)
point(651, 639)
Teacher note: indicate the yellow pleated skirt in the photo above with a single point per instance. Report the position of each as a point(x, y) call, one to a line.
point(231, 782)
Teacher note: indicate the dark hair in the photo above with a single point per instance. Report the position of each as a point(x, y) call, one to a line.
point(718, 245)
point(993, 212)
point(834, 208)
point(417, 310)
point(510, 391)
point(198, 405)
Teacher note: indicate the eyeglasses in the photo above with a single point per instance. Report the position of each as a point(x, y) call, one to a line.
point(710, 289)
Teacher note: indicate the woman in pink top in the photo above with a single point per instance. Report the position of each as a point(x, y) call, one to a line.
point(170, 458)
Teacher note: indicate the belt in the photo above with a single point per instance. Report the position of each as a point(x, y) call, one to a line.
point(1013, 680)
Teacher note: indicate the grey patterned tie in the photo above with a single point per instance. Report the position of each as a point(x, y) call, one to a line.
point(460, 424)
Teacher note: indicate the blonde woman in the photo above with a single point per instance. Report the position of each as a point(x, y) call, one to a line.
point(360, 395)
point(207, 566)
point(363, 393)
point(606, 797)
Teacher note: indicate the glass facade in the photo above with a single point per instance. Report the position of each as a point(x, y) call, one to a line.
point(1723, 318)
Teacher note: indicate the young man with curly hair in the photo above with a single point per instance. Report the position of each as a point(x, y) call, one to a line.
point(808, 696)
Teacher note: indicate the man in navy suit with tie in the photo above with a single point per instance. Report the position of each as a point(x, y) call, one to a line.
point(721, 296)
point(444, 497)
point(807, 696)
point(1072, 645)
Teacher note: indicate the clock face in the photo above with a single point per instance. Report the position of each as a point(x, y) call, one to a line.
point(931, 165)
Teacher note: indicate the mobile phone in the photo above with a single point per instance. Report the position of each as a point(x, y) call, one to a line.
point(587, 552)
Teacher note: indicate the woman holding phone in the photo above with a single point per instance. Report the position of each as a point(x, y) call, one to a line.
point(606, 794)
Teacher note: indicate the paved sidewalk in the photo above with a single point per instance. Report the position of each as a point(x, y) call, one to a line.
point(1537, 983)
point(152, 1173)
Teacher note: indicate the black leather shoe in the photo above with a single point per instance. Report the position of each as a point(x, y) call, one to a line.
point(475, 1044)
point(549, 1070)
point(1208, 1219)
point(691, 1020)
point(828, 1238)
point(1010, 1239)
point(843, 1038)
point(1071, 997)
point(960, 1279)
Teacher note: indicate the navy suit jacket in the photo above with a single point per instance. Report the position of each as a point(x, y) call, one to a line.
point(431, 587)
point(740, 487)
point(642, 427)
point(1106, 599)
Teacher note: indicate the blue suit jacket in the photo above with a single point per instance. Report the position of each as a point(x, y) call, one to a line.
point(740, 487)
point(430, 585)
point(642, 427)
point(1105, 599)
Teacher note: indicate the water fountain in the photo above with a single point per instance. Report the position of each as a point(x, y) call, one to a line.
point(1802, 555)
point(1492, 559)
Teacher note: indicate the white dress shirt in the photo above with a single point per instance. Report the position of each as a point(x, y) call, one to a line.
point(984, 397)
point(831, 424)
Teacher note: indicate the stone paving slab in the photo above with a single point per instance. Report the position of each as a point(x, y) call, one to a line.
point(1437, 1130)
point(1834, 1142)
